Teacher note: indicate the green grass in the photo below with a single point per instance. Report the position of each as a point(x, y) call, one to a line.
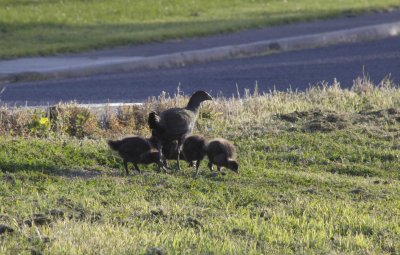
point(31, 28)
point(319, 174)
point(285, 200)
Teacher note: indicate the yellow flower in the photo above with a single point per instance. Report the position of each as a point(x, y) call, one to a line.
point(44, 121)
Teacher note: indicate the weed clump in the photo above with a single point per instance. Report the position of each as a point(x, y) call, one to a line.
point(72, 120)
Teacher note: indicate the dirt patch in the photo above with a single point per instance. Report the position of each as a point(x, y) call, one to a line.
point(8, 178)
point(82, 214)
point(318, 125)
point(378, 113)
point(353, 170)
point(290, 117)
point(393, 111)
point(326, 123)
point(239, 232)
point(293, 116)
point(155, 251)
point(311, 191)
point(36, 252)
point(396, 147)
point(157, 212)
point(266, 214)
point(5, 229)
point(65, 202)
point(357, 191)
point(4, 217)
point(56, 213)
point(316, 120)
point(391, 116)
point(84, 174)
point(38, 219)
point(194, 223)
point(73, 211)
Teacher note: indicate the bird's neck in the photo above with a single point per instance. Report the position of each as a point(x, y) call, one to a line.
point(153, 141)
point(193, 105)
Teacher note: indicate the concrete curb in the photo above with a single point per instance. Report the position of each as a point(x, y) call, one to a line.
point(360, 34)
point(92, 107)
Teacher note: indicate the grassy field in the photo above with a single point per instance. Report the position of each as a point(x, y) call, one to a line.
point(45, 27)
point(319, 173)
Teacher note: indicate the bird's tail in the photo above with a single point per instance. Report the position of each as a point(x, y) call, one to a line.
point(154, 122)
point(114, 145)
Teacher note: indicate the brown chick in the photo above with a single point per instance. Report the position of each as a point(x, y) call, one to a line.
point(222, 153)
point(194, 149)
point(130, 149)
point(169, 151)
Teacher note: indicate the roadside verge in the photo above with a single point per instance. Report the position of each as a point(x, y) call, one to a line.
point(71, 67)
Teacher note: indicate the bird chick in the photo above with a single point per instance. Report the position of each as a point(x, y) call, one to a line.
point(169, 152)
point(194, 150)
point(130, 149)
point(222, 153)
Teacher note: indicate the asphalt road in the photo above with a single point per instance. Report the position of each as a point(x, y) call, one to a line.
point(296, 70)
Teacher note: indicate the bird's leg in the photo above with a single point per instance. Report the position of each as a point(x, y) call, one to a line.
point(160, 157)
point(210, 165)
point(165, 169)
point(159, 166)
point(198, 164)
point(220, 170)
point(197, 167)
point(165, 163)
point(126, 166)
point(137, 168)
point(179, 154)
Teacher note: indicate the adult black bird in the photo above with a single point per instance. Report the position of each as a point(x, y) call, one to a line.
point(176, 123)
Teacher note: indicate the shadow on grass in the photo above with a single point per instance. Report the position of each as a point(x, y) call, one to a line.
point(7, 166)
point(52, 170)
point(355, 170)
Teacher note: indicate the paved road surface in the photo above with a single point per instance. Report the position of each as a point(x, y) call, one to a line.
point(297, 70)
